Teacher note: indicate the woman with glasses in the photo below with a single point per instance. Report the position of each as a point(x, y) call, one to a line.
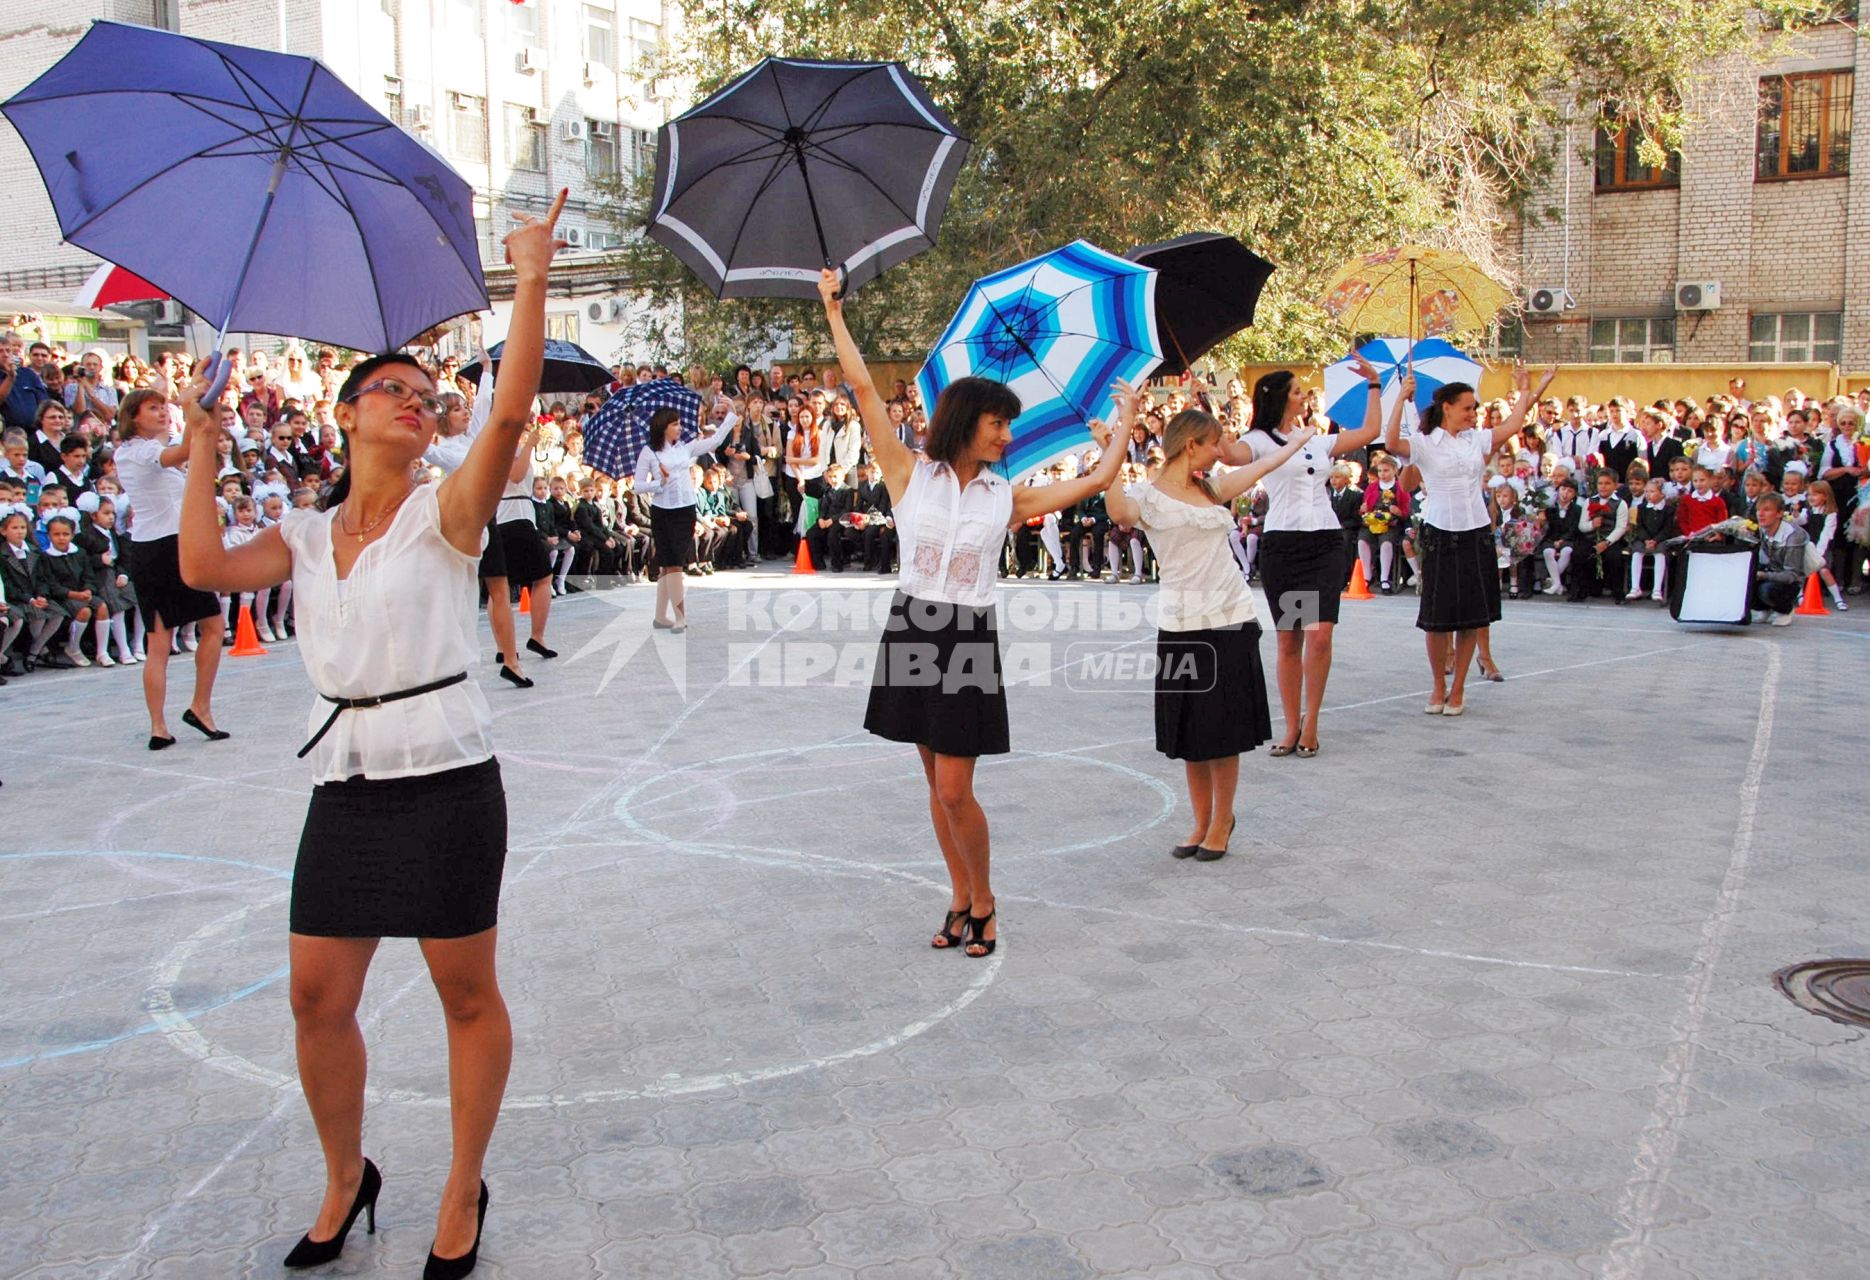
point(406, 832)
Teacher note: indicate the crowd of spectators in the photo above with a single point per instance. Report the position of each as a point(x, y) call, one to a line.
point(1586, 500)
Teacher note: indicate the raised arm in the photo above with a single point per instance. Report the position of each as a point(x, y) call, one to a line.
point(1393, 443)
point(469, 496)
point(894, 458)
point(1345, 441)
point(1524, 397)
point(709, 443)
point(1037, 500)
point(1240, 479)
point(207, 565)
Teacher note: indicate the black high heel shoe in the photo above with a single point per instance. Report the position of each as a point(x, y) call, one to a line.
point(513, 677)
point(976, 929)
point(314, 1253)
point(454, 1268)
point(953, 939)
point(1183, 851)
point(541, 650)
point(157, 744)
point(194, 721)
point(1205, 854)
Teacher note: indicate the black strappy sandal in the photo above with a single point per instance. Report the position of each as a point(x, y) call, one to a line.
point(945, 940)
point(976, 928)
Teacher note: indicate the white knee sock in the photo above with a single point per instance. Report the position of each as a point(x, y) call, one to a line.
point(1136, 555)
point(1253, 552)
point(1114, 558)
point(73, 637)
point(140, 631)
point(117, 630)
point(1239, 549)
point(1386, 556)
point(1048, 534)
point(100, 634)
point(1363, 558)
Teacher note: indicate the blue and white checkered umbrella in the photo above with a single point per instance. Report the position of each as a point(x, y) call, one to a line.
point(1059, 330)
point(1437, 363)
point(617, 432)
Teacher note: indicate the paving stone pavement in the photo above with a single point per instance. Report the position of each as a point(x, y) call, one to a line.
point(1485, 998)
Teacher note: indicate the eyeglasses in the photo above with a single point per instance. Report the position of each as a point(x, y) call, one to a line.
point(431, 405)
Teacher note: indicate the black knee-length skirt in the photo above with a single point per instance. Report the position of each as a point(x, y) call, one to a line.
point(938, 681)
point(527, 559)
point(402, 857)
point(493, 555)
point(672, 536)
point(1460, 580)
point(166, 600)
point(1302, 573)
point(1210, 693)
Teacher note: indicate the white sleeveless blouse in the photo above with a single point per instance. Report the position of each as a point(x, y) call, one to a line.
point(404, 617)
point(951, 536)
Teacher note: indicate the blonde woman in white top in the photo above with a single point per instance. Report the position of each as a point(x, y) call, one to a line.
point(937, 681)
point(1210, 688)
point(406, 833)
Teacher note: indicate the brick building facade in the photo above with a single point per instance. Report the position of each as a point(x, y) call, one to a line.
point(1762, 200)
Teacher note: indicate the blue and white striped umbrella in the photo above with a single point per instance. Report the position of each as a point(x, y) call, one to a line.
point(617, 432)
point(1437, 363)
point(1059, 330)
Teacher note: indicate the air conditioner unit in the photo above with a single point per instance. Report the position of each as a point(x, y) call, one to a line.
point(527, 61)
point(1700, 295)
point(1548, 300)
point(605, 311)
point(574, 130)
point(421, 115)
point(574, 236)
point(596, 312)
point(603, 129)
point(170, 313)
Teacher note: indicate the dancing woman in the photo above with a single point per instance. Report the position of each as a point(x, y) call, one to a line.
point(1302, 547)
point(1210, 688)
point(1460, 569)
point(406, 833)
point(154, 474)
point(937, 682)
point(663, 471)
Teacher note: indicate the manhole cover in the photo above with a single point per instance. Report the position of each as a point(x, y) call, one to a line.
point(1837, 989)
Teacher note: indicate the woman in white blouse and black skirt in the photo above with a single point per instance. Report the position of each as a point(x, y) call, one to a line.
point(937, 682)
point(1460, 566)
point(406, 832)
point(663, 472)
point(1210, 688)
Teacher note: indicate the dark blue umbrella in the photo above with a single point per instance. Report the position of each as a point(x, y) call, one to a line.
point(797, 166)
point(568, 367)
point(617, 432)
point(253, 187)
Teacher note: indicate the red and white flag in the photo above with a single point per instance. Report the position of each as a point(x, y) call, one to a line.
point(111, 284)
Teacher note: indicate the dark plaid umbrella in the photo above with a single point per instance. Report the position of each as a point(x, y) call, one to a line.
point(568, 367)
point(617, 432)
point(1207, 286)
point(797, 166)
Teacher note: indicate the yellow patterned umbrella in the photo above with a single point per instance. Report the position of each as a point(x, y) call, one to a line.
point(1424, 293)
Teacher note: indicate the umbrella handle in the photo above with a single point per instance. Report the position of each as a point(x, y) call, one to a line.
point(219, 370)
point(844, 276)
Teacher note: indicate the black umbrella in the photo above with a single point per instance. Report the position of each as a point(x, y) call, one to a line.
point(797, 166)
point(1207, 286)
point(568, 367)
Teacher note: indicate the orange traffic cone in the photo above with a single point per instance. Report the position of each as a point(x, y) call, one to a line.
point(1813, 605)
point(246, 639)
point(1360, 587)
point(525, 600)
point(802, 563)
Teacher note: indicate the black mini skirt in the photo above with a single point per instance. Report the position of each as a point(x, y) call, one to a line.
point(938, 681)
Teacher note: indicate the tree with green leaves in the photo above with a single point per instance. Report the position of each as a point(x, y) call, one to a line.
point(1311, 129)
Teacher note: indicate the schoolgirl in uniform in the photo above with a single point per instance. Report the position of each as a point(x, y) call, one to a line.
point(100, 542)
point(937, 682)
point(65, 582)
point(406, 832)
point(1561, 535)
point(1210, 688)
point(26, 610)
point(1825, 526)
point(1384, 516)
point(1652, 523)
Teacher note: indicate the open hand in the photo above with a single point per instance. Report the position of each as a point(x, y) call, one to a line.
point(1364, 367)
point(1129, 403)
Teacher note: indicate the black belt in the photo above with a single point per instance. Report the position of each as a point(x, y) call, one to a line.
point(352, 704)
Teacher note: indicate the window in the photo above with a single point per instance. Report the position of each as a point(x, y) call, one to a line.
point(1633, 341)
point(525, 138)
point(642, 151)
point(647, 39)
point(1797, 337)
point(393, 104)
point(467, 136)
point(1620, 166)
point(1805, 126)
point(602, 240)
point(600, 149)
point(522, 22)
point(600, 36)
point(562, 326)
point(1506, 339)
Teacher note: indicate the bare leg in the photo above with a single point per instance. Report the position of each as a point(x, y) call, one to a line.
point(967, 823)
point(500, 621)
point(1224, 776)
point(480, 1052)
point(541, 609)
point(1317, 669)
point(1464, 645)
point(1290, 672)
point(662, 596)
point(962, 889)
point(678, 594)
point(327, 982)
point(1200, 797)
point(207, 662)
point(1484, 649)
point(156, 679)
point(1438, 647)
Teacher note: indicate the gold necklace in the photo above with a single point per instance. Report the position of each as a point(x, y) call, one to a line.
point(366, 531)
